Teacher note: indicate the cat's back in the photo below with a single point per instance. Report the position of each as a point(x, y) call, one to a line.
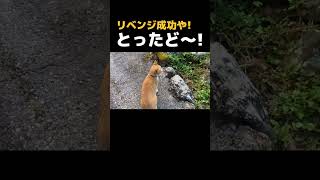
point(148, 96)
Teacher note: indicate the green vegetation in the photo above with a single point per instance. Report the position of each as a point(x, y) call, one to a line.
point(194, 69)
point(266, 38)
point(295, 114)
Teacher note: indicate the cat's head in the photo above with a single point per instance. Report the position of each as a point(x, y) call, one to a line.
point(155, 69)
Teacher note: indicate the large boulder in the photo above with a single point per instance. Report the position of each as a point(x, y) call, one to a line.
point(181, 89)
point(234, 100)
point(231, 137)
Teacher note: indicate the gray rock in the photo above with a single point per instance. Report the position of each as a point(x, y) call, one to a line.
point(312, 65)
point(230, 137)
point(181, 89)
point(200, 53)
point(127, 72)
point(306, 57)
point(170, 72)
point(307, 54)
point(234, 98)
point(312, 11)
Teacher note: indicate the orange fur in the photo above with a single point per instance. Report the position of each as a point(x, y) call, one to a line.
point(149, 88)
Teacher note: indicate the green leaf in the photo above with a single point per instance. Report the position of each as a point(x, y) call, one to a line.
point(257, 3)
point(310, 126)
point(300, 115)
point(298, 125)
point(259, 29)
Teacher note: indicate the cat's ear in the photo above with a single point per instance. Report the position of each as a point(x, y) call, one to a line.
point(155, 62)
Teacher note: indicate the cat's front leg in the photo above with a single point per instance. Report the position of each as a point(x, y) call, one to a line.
point(157, 90)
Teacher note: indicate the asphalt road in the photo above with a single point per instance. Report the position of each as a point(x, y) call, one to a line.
point(127, 72)
point(52, 56)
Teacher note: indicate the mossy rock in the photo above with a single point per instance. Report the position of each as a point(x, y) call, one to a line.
point(162, 56)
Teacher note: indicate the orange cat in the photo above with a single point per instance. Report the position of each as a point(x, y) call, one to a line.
point(150, 88)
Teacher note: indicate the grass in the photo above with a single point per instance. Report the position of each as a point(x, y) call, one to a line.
point(295, 115)
point(257, 40)
point(194, 69)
